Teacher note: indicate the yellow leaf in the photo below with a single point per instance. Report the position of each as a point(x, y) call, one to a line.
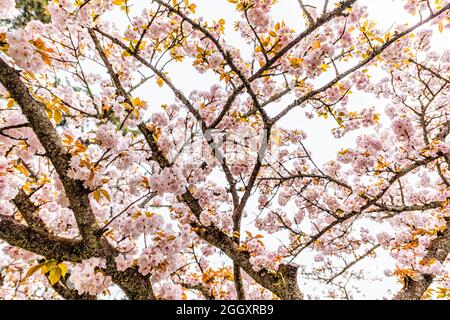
point(49, 112)
point(138, 102)
point(160, 81)
point(54, 276)
point(32, 270)
point(105, 194)
point(48, 266)
point(63, 267)
point(441, 26)
point(68, 139)
point(22, 169)
point(192, 7)
point(10, 103)
point(64, 108)
point(97, 195)
point(26, 187)
point(376, 117)
point(136, 215)
point(39, 43)
point(126, 106)
point(80, 147)
point(316, 44)
point(57, 115)
point(46, 58)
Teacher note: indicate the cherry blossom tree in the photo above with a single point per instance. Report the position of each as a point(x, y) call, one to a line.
point(27, 10)
point(209, 195)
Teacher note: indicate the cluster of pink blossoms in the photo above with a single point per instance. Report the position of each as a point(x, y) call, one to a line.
point(7, 9)
point(259, 14)
point(87, 277)
point(9, 185)
point(169, 180)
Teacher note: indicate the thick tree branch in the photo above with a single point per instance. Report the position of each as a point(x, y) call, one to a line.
point(439, 250)
point(46, 133)
point(29, 211)
point(41, 243)
point(161, 159)
point(131, 281)
point(206, 292)
point(70, 294)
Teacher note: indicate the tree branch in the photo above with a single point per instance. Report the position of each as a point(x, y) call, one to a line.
point(46, 133)
point(439, 249)
point(41, 243)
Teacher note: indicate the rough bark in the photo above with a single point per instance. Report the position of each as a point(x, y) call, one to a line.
point(29, 211)
point(55, 151)
point(93, 243)
point(439, 250)
point(41, 243)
